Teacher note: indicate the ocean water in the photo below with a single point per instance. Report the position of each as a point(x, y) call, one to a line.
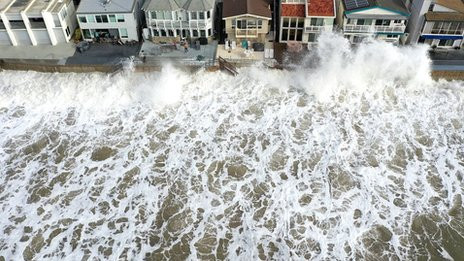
point(357, 154)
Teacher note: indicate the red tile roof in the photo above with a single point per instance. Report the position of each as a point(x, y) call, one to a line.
point(321, 8)
point(295, 10)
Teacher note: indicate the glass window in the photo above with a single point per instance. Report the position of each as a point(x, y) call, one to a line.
point(153, 15)
point(202, 33)
point(202, 15)
point(120, 18)
point(360, 22)
point(378, 22)
point(292, 34)
point(299, 34)
point(82, 19)
point(123, 33)
point(105, 18)
point(91, 18)
point(86, 33)
point(301, 23)
point(194, 15)
point(112, 18)
point(286, 22)
point(168, 15)
point(195, 33)
point(160, 15)
point(285, 35)
point(260, 24)
point(234, 21)
point(208, 14)
point(99, 19)
point(293, 22)
point(311, 37)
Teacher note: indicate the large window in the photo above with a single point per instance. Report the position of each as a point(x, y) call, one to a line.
point(317, 21)
point(112, 18)
point(193, 15)
point(87, 34)
point(448, 28)
point(91, 19)
point(120, 18)
point(202, 15)
point(82, 19)
point(123, 33)
point(292, 29)
point(382, 22)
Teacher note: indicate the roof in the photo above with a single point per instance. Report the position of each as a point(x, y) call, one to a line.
point(321, 8)
point(392, 5)
point(31, 7)
point(293, 10)
point(242, 7)
point(174, 5)
point(456, 5)
point(444, 16)
point(106, 6)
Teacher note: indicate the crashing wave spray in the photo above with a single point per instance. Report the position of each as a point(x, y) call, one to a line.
point(360, 157)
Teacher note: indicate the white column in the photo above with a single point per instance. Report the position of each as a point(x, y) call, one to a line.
point(28, 27)
point(50, 24)
point(10, 33)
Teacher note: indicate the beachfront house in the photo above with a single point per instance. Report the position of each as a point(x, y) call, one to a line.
point(380, 19)
point(176, 19)
point(36, 22)
point(439, 23)
point(304, 20)
point(247, 20)
point(109, 19)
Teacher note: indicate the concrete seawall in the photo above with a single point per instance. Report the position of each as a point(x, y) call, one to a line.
point(20, 65)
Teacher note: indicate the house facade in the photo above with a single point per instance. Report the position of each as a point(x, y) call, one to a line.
point(440, 23)
point(36, 22)
point(115, 19)
point(381, 19)
point(179, 19)
point(304, 20)
point(247, 20)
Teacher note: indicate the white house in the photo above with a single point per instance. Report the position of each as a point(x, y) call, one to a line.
point(36, 22)
point(381, 19)
point(439, 23)
point(115, 19)
point(179, 18)
point(303, 20)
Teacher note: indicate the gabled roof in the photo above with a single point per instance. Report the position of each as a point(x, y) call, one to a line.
point(293, 10)
point(242, 7)
point(174, 5)
point(456, 5)
point(396, 6)
point(321, 8)
point(108, 6)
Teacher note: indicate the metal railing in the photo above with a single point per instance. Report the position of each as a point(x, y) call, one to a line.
point(180, 24)
point(317, 28)
point(374, 28)
point(246, 32)
point(443, 31)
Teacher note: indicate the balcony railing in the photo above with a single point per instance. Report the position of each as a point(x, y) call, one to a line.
point(449, 32)
point(248, 33)
point(374, 28)
point(316, 28)
point(179, 24)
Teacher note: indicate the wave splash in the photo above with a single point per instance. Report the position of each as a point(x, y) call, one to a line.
point(355, 156)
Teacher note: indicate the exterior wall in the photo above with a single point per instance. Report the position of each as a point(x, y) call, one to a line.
point(440, 36)
point(388, 30)
point(55, 28)
point(258, 35)
point(180, 24)
point(89, 22)
point(418, 9)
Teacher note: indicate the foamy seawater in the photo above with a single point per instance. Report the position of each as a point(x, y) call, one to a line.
point(358, 158)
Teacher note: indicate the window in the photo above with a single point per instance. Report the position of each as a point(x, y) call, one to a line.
point(260, 24)
point(123, 33)
point(168, 15)
point(234, 22)
point(2, 26)
point(202, 33)
point(153, 15)
point(86, 33)
point(208, 14)
point(292, 29)
point(202, 15)
point(171, 33)
point(360, 22)
point(195, 33)
point(120, 18)
point(112, 18)
point(209, 32)
point(155, 33)
point(312, 37)
point(91, 19)
point(105, 18)
point(82, 19)
point(68, 32)
point(99, 19)
point(317, 21)
point(193, 15)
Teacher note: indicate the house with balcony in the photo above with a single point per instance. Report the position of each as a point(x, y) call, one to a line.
point(304, 20)
point(109, 19)
point(176, 19)
point(380, 19)
point(438, 23)
point(247, 20)
point(36, 22)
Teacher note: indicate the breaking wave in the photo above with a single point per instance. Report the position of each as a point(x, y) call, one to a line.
point(357, 154)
